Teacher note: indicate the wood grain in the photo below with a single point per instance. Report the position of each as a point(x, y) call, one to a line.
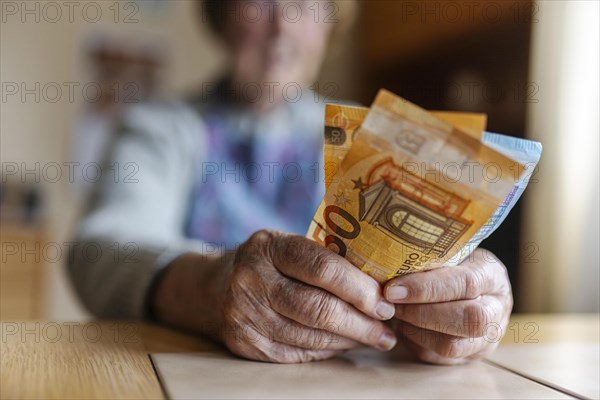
point(53, 360)
point(562, 352)
point(68, 360)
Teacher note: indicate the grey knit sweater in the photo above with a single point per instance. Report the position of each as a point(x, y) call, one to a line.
point(134, 223)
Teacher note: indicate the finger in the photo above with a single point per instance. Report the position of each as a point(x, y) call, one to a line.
point(306, 261)
point(253, 345)
point(290, 332)
point(429, 356)
point(465, 318)
point(319, 309)
point(481, 273)
point(439, 348)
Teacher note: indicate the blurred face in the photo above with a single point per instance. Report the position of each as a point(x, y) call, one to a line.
point(276, 43)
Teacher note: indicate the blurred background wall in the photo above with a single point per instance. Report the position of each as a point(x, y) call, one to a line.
point(68, 68)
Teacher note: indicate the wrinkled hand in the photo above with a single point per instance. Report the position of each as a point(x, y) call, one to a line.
point(451, 315)
point(290, 300)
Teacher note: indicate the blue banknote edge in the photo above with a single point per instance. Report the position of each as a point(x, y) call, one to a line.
point(524, 151)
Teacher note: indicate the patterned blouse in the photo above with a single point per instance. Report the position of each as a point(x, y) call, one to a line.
point(262, 171)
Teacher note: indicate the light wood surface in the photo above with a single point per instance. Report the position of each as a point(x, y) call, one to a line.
point(358, 374)
point(75, 361)
point(108, 360)
point(563, 353)
point(552, 328)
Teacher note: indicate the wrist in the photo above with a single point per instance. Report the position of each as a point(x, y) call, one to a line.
point(189, 293)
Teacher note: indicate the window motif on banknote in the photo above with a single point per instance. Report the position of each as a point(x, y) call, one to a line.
point(415, 212)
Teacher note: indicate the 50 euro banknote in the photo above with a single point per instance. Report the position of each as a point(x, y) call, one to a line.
point(409, 190)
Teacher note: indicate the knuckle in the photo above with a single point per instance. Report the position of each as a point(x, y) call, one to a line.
point(373, 332)
point(475, 317)
point(428, 290)
point(290, 250)
point(317, 340)
point(486, 257)
point(280, 290)
point(255, 247)
point(368, 299)
point(324, 268)
point(474, 282)
point(250, 280)
point(261, 236)
point(312, 262)
point(294, 249)
point(502, 283)
point(508, 302)
point(283, 296)
point(323, 310)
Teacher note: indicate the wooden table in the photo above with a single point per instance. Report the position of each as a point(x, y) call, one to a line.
point(561, 352)
point(111, 360)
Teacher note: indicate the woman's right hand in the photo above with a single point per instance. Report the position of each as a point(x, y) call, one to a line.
point(283, 298)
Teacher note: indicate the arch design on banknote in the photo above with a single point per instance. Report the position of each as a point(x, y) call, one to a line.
point(413, 211)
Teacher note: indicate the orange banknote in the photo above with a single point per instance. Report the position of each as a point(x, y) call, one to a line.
point(407, 189)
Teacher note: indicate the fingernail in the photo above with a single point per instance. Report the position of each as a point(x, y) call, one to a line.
point(385, 310)
point(396, 293)
point(387, 341)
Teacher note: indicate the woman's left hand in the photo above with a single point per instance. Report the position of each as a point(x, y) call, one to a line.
point(454, 314)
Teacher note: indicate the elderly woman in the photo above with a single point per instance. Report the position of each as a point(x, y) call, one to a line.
point(207, 236)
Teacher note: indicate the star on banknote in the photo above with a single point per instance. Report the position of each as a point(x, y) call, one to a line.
point(359, 184)
point(341, 200)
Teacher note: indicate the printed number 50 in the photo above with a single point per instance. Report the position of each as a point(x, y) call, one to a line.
point(338, 230)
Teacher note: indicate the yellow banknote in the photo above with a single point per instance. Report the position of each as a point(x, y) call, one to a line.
point(342, 121)
point(411, 190)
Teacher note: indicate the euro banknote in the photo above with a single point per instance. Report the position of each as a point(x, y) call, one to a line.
point(342, 121)
point(409, 190)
